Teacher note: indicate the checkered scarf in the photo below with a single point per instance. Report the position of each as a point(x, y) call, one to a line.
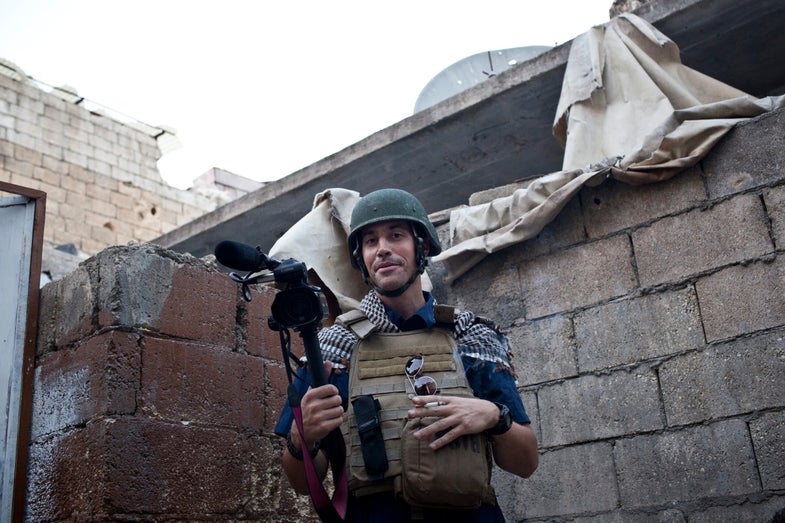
point(475, 337)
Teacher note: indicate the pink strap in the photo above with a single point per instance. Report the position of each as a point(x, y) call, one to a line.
point(328, 509)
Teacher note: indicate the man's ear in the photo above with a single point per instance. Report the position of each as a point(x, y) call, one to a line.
point(426, 248)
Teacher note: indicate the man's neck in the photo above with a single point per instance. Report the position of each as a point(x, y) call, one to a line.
point(407, 303)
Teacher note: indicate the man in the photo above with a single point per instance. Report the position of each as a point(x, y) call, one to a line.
point(390, 239)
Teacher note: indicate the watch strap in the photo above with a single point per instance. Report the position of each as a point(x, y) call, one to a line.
point(505, 421)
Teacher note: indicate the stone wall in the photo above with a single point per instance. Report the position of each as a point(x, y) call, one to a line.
point(100, 175)
point(648, 325)
point(156, 392)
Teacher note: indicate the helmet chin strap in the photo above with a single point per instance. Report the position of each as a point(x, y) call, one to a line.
point(400, 290)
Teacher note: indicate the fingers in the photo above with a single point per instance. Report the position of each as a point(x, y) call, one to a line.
point(430, 401)
point(440, 433)
point(322, 411)
point(459, 416)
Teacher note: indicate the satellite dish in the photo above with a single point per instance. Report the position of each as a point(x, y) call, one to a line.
point(471, 71)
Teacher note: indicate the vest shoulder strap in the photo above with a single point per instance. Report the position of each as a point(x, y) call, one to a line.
point(445, 314)
point(357, 322)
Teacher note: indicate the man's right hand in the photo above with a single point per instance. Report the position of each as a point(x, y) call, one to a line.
point(322, 412)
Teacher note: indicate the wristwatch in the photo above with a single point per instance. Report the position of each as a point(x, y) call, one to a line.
point(505, 421)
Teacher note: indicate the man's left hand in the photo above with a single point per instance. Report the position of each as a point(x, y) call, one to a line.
point(458, 415)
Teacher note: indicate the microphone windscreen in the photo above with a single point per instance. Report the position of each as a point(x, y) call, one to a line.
point(239, 256)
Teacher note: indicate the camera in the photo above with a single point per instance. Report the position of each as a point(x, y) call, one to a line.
point(296, 305)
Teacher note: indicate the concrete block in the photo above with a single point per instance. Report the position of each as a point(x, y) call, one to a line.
point(77, 137)
point(543, 350)
point(33, 104)
point(613, 206)
point(99, 377)
point(276, 386)
point(65, 312)
point(6, 122)
point(101, 142)
point(259, 339)
point(31, 129)
point(22, 139)
point(626, 516)
point(73, 185)
point(19, 167)
point(568, 481)
point(595, 407)
point(743, 299)
point(103, 156)
point(144, 286)
point(186, 382)
point(47, 176)
point(50, 146)
point(105, 180)
point(490, 289)
point(53, 192)
point(22, 111)
point(775, 206)
point(51, 124)
point(76, 172)
point(77, 155)
point(771, 510)
point(678, 247)
point(741, 376)
point(99, 167)
point(750, 155)
point(103, 207)
point(580, 276)
point(67, 475)
point(565, 229)
point(768, 438)
point(628, 331)
point(705, 461)
point(200, 306)
point(87, 245)
point(529, 399)
point(25, 155)
point(130, 189)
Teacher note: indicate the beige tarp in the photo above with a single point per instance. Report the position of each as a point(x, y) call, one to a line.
point(628, 109)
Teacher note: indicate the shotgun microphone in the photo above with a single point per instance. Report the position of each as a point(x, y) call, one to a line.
point(240, 256)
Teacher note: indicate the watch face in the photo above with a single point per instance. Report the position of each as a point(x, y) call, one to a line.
point(505, 416)
point(505, 421)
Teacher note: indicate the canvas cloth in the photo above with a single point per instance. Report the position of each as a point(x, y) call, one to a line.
point(628, 109)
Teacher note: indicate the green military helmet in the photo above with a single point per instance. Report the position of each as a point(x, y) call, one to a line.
point(390, 204)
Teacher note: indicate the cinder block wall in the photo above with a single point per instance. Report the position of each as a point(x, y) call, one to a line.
point(648, 324)
point(156, 392)
point(100, 175)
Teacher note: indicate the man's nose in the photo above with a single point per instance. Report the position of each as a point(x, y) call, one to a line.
point(382, 247)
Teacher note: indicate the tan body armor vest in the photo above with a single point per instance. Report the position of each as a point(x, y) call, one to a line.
point(378, 369)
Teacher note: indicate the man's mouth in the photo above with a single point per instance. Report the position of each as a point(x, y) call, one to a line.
point(385, 265)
